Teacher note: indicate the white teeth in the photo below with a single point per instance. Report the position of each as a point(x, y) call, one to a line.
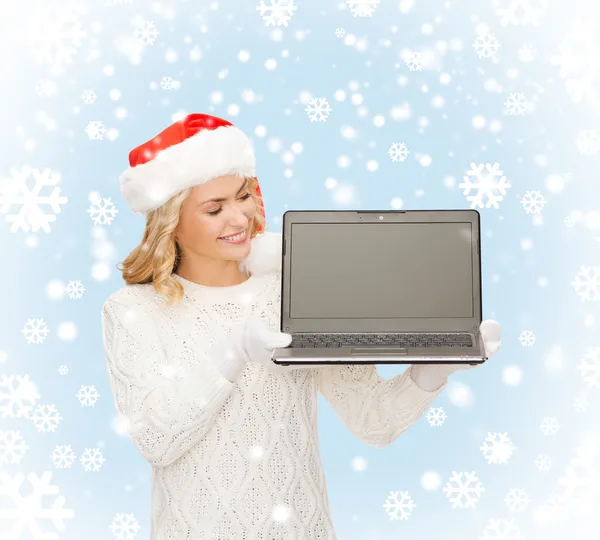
point(235, 238)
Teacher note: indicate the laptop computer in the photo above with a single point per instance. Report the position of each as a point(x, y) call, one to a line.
point(381, 286)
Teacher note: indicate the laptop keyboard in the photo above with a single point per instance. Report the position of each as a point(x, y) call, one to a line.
point(397, 340)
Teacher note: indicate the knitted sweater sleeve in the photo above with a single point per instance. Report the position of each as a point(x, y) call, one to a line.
point(375, 409)
point(168, 409)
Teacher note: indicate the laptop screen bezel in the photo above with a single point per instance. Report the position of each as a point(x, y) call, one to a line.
point(293, 326)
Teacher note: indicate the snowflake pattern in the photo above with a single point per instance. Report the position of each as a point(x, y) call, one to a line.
point(533, 202)
point(549, 426)
point(398, 152)
point(318, 109)
point(54, 35)
point(88, 96)
point(527, 52)
point(18, 396)
point(580, 405)
point(102, 212)
point(486, 45)
point(92, 459)
point(35, 331)
point(588, 142)
point(413, 61)
point(146, 32)
point(63, 370)
point(515, 104)
point(46, 418)
point(95, 130)
point(517, 500)
point(362, 8)
point(277, 12)
point(45, 88)
point(501, 529)
point(63, 457)
point(578, 61)
point(436, 416)
point(488, 181)
point(527, 338)
point(589, 366)
point(29, 510)
point(167, 83)
point(497, 448)
point(543, 462)
point(16, 191)
point(520, 12)
point(463, 489)
point(340, 32)
point(587, 283)
point(124, 526)
point(12, 447)
point(399, 505)
point(74, 289)
point(87, 395)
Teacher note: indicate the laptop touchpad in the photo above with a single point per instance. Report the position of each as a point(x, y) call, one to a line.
point(357, 351)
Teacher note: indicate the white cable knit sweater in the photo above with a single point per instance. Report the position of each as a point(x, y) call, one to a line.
point(237, 461)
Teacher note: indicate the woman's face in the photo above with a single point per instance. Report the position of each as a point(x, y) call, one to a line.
point(203, 220)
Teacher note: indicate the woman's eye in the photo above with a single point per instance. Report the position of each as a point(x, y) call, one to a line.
point(215, 212)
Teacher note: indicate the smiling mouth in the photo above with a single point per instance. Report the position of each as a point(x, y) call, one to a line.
point(236, 238)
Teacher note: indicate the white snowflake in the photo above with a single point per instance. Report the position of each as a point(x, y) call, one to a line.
point(63, 456)
point(581, 479)
point(16, 191)
point(533, 202)
point(587, 283)
point(549, 426)
point(463, 489)
point(580, 405)
point(517, 500)
point(146, 32)
point(55, 34)
point(340, 32)
point(520, 12)
point(88, 96)
point(63, 370)
point(486, 45)
point(362, 8)
point(167, 83)
point(46, 418)
point(489, 183)
point(527, 52)
point(18, 396)
point(543, 462)
point(74, 289)
point(102, 212)
point(92, 459)
point(589, 366)
point(497, 448)
point(527, 338)
point(95, 130)
point(413, 61)
point(398, 152)
point(35, 330)
point(436, 416)
point(578, 60)
point(588, 142)
point(12, 447)
point(318, 109)
point(277, 12)
point(124, 526)
point(87, 395)
point(45, 88)
point(515, 104)
point(29, 510)
point(399, 505)
point(501, 529)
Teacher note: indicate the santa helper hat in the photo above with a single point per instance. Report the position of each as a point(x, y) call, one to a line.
point(190, 152)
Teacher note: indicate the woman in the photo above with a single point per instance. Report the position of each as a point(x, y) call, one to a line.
point(231, 436)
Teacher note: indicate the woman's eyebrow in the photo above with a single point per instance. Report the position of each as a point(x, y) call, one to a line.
point(220, 199)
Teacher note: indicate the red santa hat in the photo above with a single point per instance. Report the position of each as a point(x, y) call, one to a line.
point(189, 152)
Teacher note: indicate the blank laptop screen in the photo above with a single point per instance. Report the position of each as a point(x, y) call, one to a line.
point(381, 270)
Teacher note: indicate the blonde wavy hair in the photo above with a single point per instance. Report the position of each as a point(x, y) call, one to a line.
point(158, 255)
